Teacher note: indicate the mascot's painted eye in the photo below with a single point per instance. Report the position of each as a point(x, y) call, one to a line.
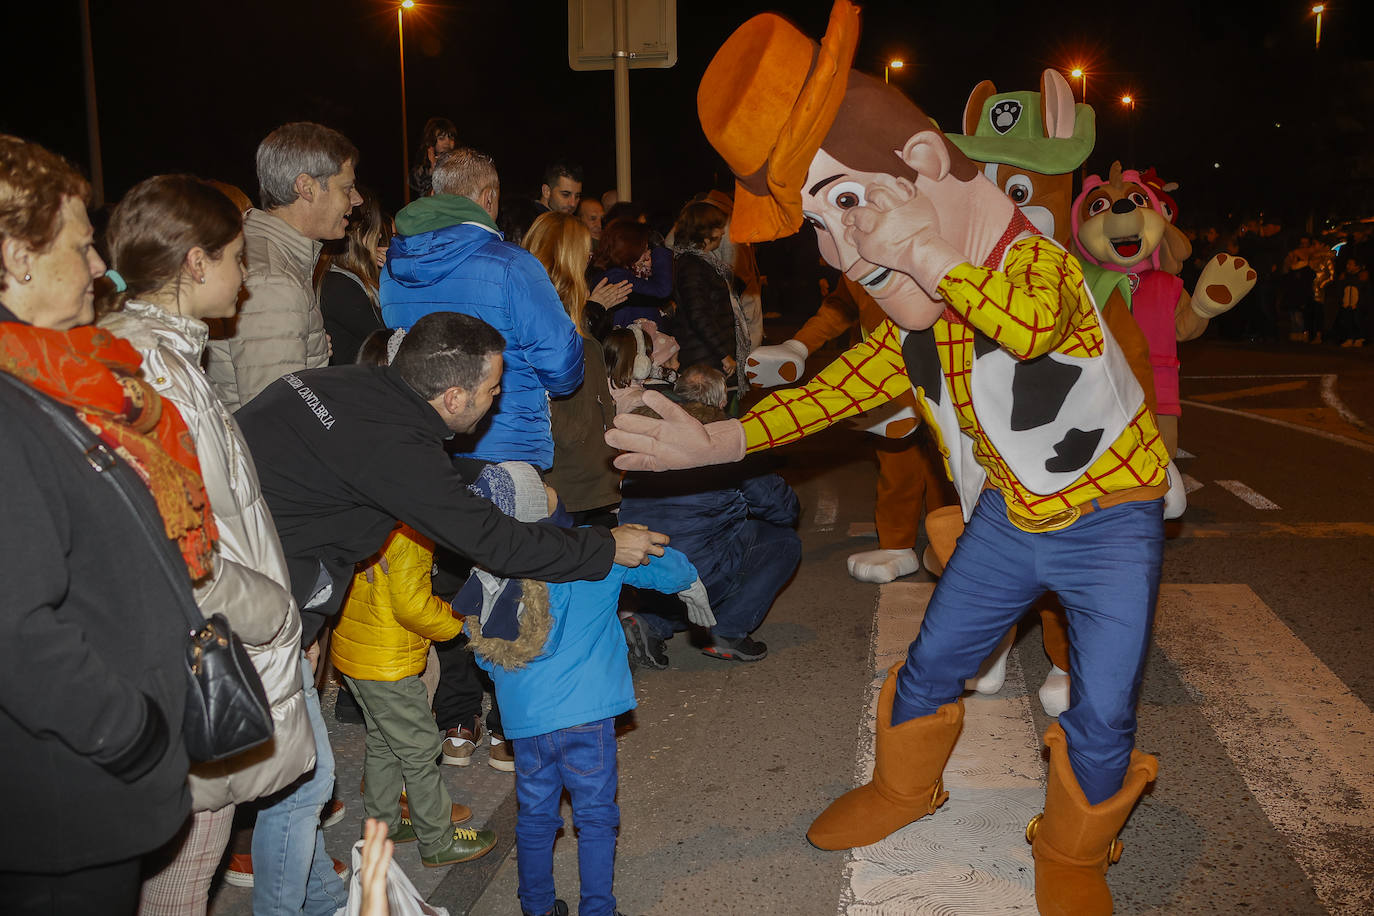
point(1140, 200)
point(816, 222)
point(1098, 205)
point(1168, 211)
point(847, 195)
point(1019, 189)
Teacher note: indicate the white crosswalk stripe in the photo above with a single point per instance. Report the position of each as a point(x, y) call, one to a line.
point(1241, 491)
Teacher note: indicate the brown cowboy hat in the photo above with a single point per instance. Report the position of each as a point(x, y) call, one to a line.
point(766, 102)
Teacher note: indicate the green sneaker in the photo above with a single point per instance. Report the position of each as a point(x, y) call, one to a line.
point(463, 846)
point(403, 832)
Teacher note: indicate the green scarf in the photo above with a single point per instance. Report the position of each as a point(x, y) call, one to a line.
point(439, 212)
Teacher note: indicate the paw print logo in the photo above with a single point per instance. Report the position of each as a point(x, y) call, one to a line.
point(1004, 115)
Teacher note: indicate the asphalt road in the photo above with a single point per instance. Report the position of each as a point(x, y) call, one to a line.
point(1256, 700)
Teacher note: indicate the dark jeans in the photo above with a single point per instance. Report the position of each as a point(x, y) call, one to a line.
point(114, 886)
point(582, 760)
point(741, 595)
point(458, 698)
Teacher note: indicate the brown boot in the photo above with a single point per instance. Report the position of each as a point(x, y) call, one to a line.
point(1074, 842)
point(907, 783)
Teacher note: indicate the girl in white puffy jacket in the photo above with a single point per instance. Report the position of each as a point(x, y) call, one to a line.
point(177, 245)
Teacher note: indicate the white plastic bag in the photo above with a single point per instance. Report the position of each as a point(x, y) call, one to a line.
point(401, 895)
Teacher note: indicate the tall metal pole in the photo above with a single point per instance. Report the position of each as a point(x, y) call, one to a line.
point(622, 99)
point(92, 119)
point(405, 127)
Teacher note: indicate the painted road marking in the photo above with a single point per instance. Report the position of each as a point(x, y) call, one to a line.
point(1250, 496)
point(1183, 453)
point(1332, 400)
point(827, 509)
point(1191, 483)
point(1278, 530)
point(1334, 437)
point(971, 856)
point(1250, 392)
point(1300, 738)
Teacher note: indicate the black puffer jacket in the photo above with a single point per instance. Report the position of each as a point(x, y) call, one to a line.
point(705, 321)
point(92, 641)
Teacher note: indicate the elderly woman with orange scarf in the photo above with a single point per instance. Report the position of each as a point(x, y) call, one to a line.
point(99, 547)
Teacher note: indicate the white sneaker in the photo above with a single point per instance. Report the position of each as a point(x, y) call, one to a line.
point(993, 674)
point(1054, 693)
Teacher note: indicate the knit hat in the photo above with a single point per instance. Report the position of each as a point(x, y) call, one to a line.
point(515, 488)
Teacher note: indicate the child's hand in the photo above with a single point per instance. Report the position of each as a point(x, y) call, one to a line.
point(376, 860)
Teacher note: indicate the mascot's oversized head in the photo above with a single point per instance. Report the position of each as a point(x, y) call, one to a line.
point(806, 136)
point(1030, 143)
point(1118, 223)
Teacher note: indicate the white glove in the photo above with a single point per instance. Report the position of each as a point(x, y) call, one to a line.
point(781, 364)
point(698, 605)
point(1176, 500)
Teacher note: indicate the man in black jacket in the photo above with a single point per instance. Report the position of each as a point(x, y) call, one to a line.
point(343, 452)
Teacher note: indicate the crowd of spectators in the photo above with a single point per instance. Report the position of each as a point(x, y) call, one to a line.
point(372, 440)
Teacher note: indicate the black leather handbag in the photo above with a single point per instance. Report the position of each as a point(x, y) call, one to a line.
point(226, 706)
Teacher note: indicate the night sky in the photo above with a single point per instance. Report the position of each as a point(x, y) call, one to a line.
point(193, 86)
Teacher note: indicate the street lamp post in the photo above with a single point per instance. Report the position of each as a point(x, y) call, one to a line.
point(1129, 101)
point(405, 127)
point(894, 64)
point(1079, 73)
point(1318, 10)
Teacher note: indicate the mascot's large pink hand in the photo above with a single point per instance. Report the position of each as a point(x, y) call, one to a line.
point(898, 228)
point(676, 441)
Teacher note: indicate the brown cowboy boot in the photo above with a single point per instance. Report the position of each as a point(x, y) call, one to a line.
point(907, 783)
point(1074, 842)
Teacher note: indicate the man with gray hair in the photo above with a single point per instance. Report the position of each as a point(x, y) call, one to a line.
point(306, 184)
point(449, 256)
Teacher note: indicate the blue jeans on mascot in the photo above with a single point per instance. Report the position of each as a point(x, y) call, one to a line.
point(1105, 568)
point(292, 873)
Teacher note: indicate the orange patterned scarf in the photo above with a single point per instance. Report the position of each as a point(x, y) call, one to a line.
point(92, 370)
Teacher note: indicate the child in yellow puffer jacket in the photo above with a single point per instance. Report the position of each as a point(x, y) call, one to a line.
point(380, 646)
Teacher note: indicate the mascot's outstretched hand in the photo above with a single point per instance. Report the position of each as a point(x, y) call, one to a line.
point(676, 441)
point(1223, 282)
point(780, 364)
point(896, 227)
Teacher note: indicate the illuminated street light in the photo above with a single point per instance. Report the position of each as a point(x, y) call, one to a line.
point(405, 127)
point(1318, 10)
point(1079, 73)
point(895, 64)
point(1128, 101)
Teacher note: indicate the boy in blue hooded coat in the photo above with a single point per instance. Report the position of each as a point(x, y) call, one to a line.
point(557, 655)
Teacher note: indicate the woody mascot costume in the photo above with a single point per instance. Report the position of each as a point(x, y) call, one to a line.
point(1043, 428)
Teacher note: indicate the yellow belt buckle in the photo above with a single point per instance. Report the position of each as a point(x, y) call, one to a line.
point(1057, 522)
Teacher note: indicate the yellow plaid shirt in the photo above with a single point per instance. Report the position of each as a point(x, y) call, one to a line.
point(1035, 304)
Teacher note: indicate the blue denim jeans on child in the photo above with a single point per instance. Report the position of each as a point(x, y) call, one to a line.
point(1104, 568)
point(582, 760)
point(292, 873)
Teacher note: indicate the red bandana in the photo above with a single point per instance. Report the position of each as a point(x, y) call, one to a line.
point(92, 370)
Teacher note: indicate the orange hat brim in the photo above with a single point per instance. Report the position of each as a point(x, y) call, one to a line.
point(778, 213)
